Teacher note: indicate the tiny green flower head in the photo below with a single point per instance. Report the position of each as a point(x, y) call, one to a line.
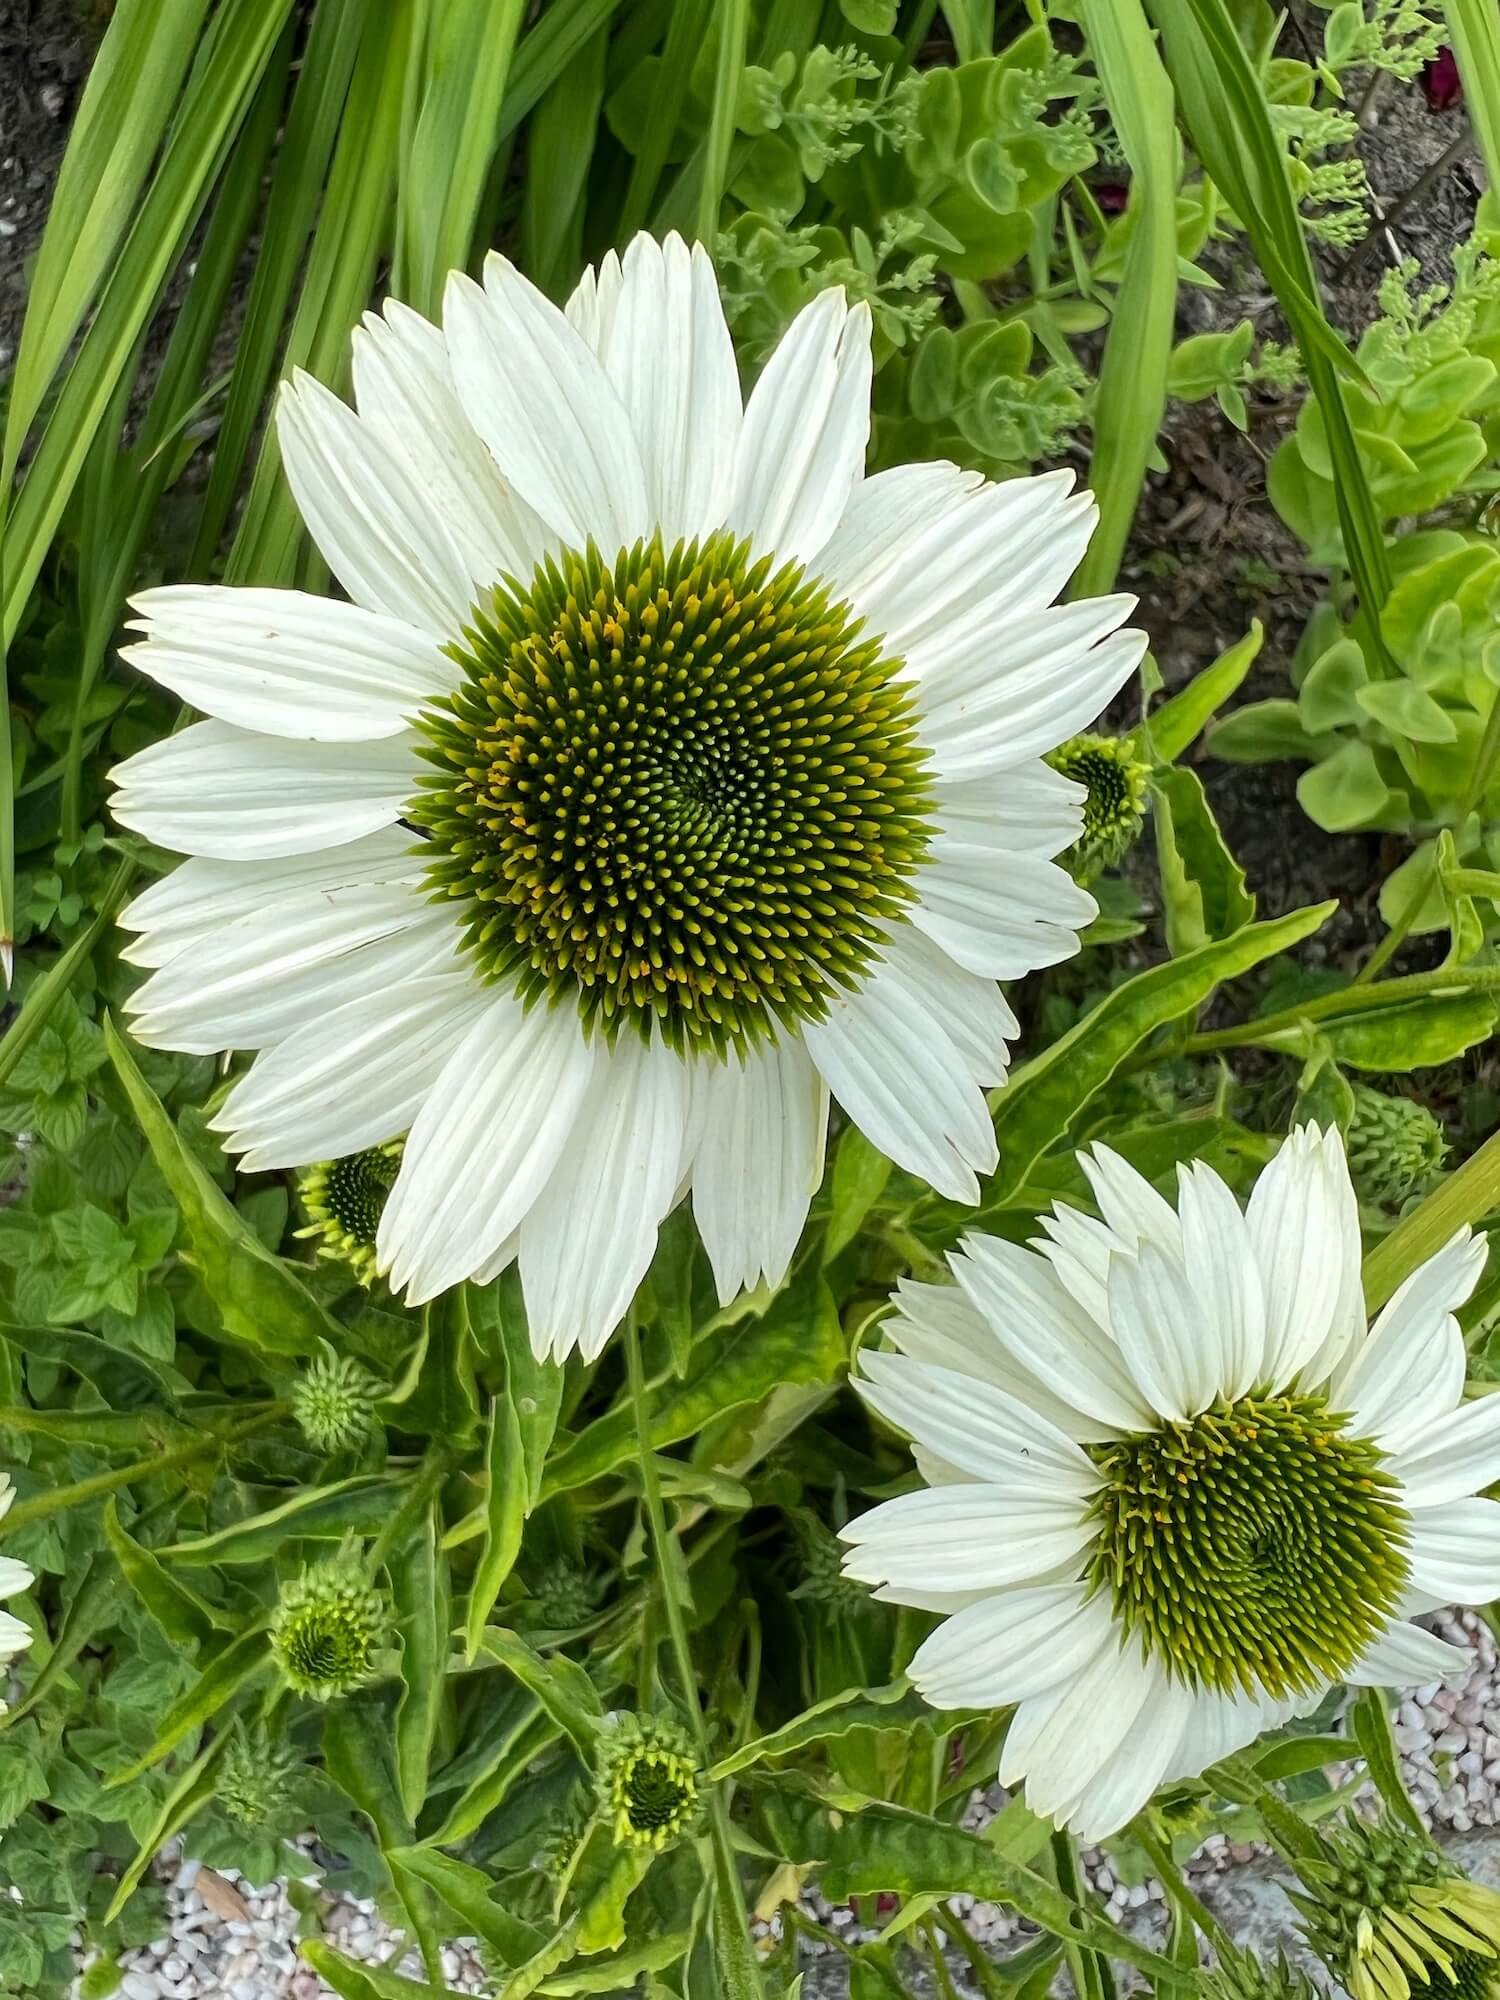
point(1393, 1920)
point(1114, 778)
point(564, 1595)
point(823, 1581)
point(648, 1779)
point(1396, 1147)
point(343, 1201)
point(333, 1401)
point(326, 1629)
point(257, 1778)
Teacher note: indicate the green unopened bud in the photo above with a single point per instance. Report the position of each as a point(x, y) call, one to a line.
point(1114, 812)
point(334, 1401)
point(823, 1580)
point(327, 1628)
point(1392, 1919)
point(648, 1779)
point(257, 1778)
point(563, 1596)
point(344, 1200)
point(1396, 1147)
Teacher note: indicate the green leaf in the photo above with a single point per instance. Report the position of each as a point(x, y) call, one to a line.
point(445, 1403)
point(219, 1682)
point(857, 1183)
point(1203, 886)
point(619, 1973)
point(1170, 729)
point(258, 1299)
point(192, 1791)
point(1345, 791)
point(469, 1894)
point(354, 1979)
point(892, 1707)
point(1328, 698)
point(505, 1501)
point(1419, 1035)
point(360, 1505)
point(558, 1949)
point(1035, 1110)
point(534, 1387)
point(181, 1614)
point(602, 1916)
point(798, 1338)
point(419, 1584)
point(1407, 710)
point(1372, 1730)
point(884, 1849)
point(564, 1690)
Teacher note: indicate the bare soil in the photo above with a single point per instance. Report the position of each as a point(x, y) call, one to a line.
point(45, 47)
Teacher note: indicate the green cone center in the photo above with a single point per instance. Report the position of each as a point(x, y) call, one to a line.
point(355, 1188)
point(678, 787)
point(1257, 1547)
point(657, 1791)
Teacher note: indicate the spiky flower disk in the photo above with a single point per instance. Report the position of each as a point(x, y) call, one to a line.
point(333, 1401)
point(676, 790)
point(257, 1779)
point(1391, 1918)
point(15, 1636)
point(1396, 1147)
point(344, 1201)
point(1115, 781)
point(665, 778)
point(1176, 1487)
point(327, 1627)
point(648, 1779)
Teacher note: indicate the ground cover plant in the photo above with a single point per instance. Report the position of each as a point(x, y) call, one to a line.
point(673, 1192)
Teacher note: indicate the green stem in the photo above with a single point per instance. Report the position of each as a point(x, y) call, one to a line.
point(734, 28)
point(1352, 1000)
point(44, 1505)
point(666, 1555)
point(439, 1462)
point(1171, 1878)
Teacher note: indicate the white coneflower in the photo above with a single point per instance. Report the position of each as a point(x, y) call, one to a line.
point(664, 774)
point(1176, 1488)
point(15, 1577)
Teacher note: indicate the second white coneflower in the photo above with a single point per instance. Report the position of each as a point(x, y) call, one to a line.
point(1176, 1488)
point(664, 776)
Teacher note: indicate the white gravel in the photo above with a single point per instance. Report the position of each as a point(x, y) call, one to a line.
point(229, 1940)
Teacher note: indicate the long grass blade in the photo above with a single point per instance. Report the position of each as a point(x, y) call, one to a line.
point(1474, 30)
point(734, 28)
point(1132, 390)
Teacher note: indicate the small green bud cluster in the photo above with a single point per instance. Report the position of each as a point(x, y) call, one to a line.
point(326, 1629)
point(1396, 1147)
point(1115, 810)
point(333, 1401)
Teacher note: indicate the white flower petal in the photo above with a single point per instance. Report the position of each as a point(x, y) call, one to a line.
point(378, 534)
point(403, 385)
point(234, 796)
point(1175, 1357)
point(1052, 685)
point(1011, 1645)
point(892, 1064)
point(1025, 809)
point(1452, 1456)
point(1455, 1553)
point(256, 981)
point(932, 556)
point(352, 1077)
point(938, 1324)
point(15, 1636)
point(1222, 1272)
point(588, 1238)
point(1218, 1725)
point(806, 425)
point(1106, 1801)
point(997, 914)
point(484, 1144)
point(199, 898)
point(668, 352)
point(288, 664)
point(981, 1431)
point(758, 1161)
point(540, 399)
point(1044, 1328)
point(591, 305)
point(1132, 1209)
point(1410, 1370)
point(1061, 1741)
point(1297, 1218)
point(1406, 1656)
point(14, 1576)
point(970, 1537)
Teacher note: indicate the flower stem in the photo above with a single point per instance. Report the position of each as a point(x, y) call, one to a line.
point(1172, 1879)
point(1350, 1000)
point(666, 1556)
point(43, 1505)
